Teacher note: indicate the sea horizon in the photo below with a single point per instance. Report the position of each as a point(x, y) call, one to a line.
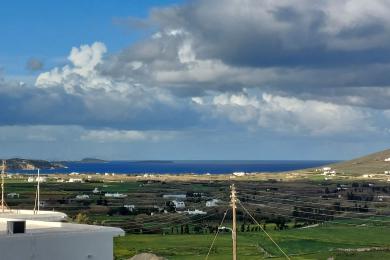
point(182, 166)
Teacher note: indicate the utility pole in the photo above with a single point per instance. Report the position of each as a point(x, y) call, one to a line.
point(234, 228)
point(39, 180)
point(2, 186)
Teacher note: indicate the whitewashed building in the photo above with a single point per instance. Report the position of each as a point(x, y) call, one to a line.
point(75, 180)
point(131, 208)
point(212, 203)
point(32, 239)
point(195, 212)
point(115, 195)
point(175, 196)
point(82, 197)
point(13, 195)
point(179, 204)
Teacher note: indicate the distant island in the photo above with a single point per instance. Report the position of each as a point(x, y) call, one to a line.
point(31, 164)
point(92, 160)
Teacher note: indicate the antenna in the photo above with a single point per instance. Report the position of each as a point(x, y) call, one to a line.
point(2, 186)
point(234, 228)
point(37, 199)
point(39, 180)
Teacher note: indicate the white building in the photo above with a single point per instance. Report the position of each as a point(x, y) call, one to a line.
point(55, 240)
point(195, 212)
point(129, 207)
point(42, 215)
point(82, 197)
point(175, 196)
point(96, 191)
point(13, 195)
point(115, 195)
point(212, 203)
point(30, 179)
point(75, 180)
point(239, 174)
point(179, 204)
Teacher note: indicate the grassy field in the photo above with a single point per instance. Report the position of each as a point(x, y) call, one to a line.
point(311, 243)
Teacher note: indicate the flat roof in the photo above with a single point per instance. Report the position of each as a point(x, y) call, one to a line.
point(44, 228)
point(45, 215)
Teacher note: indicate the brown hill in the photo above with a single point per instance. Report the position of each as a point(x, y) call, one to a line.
point(371, 164)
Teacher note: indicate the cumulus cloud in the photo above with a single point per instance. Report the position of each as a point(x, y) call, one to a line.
point(289, 115)
point(297, 67)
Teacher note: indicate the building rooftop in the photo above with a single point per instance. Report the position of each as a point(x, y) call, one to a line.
point(44, 215)
point(36, 227)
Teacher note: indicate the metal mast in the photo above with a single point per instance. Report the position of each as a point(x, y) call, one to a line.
point(39, 180)
point(234, 228)
point(2, 186)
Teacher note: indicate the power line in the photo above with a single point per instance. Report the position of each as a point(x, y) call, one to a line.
point(333, 216)
point(303, 196)
point(280, 249)
point(216, 234)
point(339, 211)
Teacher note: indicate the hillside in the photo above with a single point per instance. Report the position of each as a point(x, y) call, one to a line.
point(370, 164)
point(29, 164)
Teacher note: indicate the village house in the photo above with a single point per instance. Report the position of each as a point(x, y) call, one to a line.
point(195, 212)
point(131, 208)
point(175, 196)
point(13, 195)
point(82, 197)
point(79, 180)
point(115, 195)
point(179, 204)
point(212, 203)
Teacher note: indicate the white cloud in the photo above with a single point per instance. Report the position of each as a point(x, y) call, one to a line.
point(289, 114)
point(109, 136)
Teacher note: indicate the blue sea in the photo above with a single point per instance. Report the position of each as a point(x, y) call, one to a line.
point(181, 167)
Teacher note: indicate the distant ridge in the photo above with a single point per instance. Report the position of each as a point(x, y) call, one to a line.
point(372, 163)
point(31, 164)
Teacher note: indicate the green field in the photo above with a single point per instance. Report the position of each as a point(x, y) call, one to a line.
point(310, 243)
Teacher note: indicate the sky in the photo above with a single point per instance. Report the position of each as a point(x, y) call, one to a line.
point(195, 79)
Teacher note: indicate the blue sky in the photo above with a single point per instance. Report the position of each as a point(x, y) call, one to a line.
point(46, 29)
point(232, 79)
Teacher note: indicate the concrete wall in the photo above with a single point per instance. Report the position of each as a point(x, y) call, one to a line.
point(57, 246)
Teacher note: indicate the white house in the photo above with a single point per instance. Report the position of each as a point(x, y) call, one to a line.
point(115, 195)
point(41, 179)
point(96, 191)
point(129, 207)
point(33, 239)
point(326, 169)
point(212, 203)
point(30, 179)
point(239, 174)
point(13, 195)
point(179, 204)
point(74, 173)
point(82, 197)
point(175, 196)
point(387, 159)
point(195, 212)
point(75, 180)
